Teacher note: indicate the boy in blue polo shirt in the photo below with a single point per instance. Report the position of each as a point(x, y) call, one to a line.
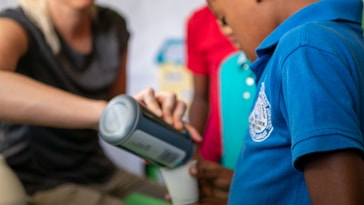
point(305, 142)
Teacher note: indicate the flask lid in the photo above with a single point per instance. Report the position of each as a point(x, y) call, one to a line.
point(119, 119)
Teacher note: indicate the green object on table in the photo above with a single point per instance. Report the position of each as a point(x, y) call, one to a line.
point(152, 172)
point(140, 199)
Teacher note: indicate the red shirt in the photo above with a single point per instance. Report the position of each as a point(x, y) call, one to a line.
point(207, 47)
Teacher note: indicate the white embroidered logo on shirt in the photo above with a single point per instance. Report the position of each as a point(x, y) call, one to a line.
point(260, 122)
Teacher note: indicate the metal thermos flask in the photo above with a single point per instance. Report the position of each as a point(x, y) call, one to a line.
point(128, 125)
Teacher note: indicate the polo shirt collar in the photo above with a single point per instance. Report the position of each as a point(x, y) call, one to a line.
point(347, 10)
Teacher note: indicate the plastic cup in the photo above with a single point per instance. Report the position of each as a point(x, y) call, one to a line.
point(182, 187)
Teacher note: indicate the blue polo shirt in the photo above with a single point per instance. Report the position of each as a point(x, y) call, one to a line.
point(310, 98)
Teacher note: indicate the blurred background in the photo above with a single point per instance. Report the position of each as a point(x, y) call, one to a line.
point(156, 53)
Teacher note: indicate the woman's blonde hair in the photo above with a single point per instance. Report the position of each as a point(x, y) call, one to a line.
point(37, 12)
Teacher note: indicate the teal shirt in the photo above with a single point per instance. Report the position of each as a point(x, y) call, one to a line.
point(237, 90)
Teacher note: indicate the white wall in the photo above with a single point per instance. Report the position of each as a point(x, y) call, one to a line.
point(150, 23)
point(6, 3)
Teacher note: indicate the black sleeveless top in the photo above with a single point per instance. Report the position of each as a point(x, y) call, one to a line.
point(45, 157)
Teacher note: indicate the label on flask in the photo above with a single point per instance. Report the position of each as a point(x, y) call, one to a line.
point(150, 147)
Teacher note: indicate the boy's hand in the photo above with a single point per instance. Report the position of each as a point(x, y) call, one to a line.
point(214, 181)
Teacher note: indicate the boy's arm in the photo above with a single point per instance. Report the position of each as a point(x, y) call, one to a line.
point(335, 177)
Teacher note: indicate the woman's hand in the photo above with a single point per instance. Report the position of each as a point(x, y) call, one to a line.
point(164, 105)
point(167, 106)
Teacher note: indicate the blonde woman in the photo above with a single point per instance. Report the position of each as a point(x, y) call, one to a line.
point(60, 61)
